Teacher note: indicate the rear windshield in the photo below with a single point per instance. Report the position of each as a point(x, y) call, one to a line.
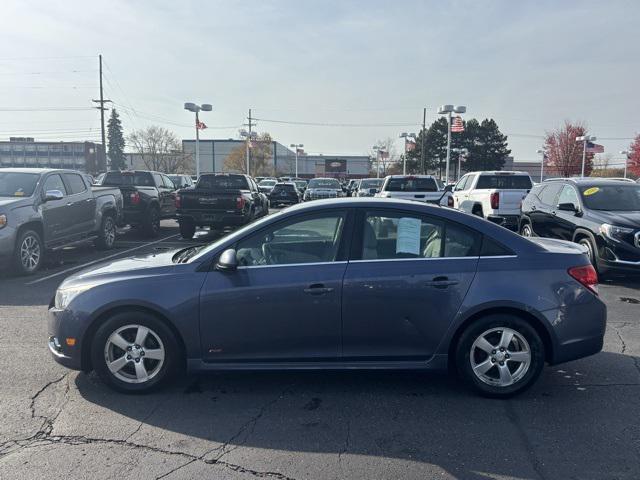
point(331, 183)
point(371, 183)
point(411, 184)
point(267, 183)
point(17, 184)
point(223, 182)
point(504, 182)
point(287, 187)
point(116, 179)
point(621, 198)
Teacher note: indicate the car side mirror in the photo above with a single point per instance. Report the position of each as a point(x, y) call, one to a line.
point(51, 195)
point(567, 207)
point(448, 188)
point(228, 261)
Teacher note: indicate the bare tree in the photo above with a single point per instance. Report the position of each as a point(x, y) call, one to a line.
point(387, 156)
point(160, 150)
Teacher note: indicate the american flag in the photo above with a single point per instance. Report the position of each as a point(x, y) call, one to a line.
point(594, 148)
point(200, 125)
point(456, 125)
point(409, 147)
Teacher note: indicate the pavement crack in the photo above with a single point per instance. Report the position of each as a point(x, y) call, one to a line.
point(347, 441)
point(515, 421)
point(622, 342)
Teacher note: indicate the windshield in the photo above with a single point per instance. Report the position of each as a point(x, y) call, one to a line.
point(267, 183)
point(17, 184)
point(620, 198)
point(504, 182)
point(376, 183)
point(411, 184)
point(330, 183)
point(222, 182)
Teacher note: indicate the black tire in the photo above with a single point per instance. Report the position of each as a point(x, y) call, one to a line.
point(187, 229)
point(107, 234)
point(526, 230)
point(151, 223)
point(492, 327)
point(28, 253)
point(477, 211)
point(159, 371)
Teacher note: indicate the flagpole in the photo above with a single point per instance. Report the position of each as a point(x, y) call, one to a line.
point(584, 155)
point(197, 146)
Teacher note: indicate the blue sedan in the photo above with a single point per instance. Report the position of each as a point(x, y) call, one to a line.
point(337, 284)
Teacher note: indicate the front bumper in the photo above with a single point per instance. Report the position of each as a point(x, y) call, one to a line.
point(621, 257)
point(7, 242)
point(512, 222)
point(63, 325)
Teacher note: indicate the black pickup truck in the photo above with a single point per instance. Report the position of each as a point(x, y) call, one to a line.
point(148, 197)
point(48, 209)
point(219, 200)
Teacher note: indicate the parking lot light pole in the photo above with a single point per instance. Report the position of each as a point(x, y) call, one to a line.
point(248, 136)
point(541, 152)
point(295, 146)
point(626, 160)
point(406, 136)
point(584, 139)
point(192, 107)
point(448, 110)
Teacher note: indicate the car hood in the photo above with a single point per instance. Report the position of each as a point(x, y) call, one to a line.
point(10, 201)
point(621, 219)
point(139, 265)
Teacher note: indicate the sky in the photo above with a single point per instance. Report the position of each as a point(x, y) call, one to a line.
point(368, 66)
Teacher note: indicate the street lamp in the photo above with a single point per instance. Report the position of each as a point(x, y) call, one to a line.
point(448, 110)
point(626, 161)
point(296, 146)
point(380, 150)
point(406, 136)
point(248, 136)
point(584, 139)
point(192, 107)
point(541, 152)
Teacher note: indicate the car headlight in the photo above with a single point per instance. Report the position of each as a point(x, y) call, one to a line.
point(615, 233)
point(64, 296)
point(3, 220)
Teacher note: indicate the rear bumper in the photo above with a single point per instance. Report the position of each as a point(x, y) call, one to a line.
point(213, 219)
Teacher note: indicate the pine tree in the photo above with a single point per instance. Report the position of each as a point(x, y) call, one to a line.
point(116, 142)
point(486, 145)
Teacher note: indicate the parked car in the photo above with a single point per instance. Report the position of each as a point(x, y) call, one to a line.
point(382, 284)
point(219, 200)
point(284, 194)
point(48, 209)
point(318, 188)
point(495, 196)
point(301, 185)
point(181, 181)
point(148, 197)
point(367, 187)
point(601, 215)
point(266, 185)
point(422, 188)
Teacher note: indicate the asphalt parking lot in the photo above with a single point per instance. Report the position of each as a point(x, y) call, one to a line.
point(580, 421)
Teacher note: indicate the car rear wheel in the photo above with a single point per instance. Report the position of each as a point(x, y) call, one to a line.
point(187, 230)
point(29, 252)
point(134, 352)
point(151, 224)
point(107, 235)
point(500, 355)
point(526, 230)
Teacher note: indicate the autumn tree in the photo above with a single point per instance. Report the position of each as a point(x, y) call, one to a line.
point(633, 167)
point(260, 157)
point(564, 153)
point(160, 150)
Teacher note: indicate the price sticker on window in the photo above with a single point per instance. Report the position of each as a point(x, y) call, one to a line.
point(408, 240)
point(591, 191)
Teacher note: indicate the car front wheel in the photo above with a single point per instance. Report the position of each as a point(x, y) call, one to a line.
point(500, 355)
point(526, 230)
point(134, 352)
point(28, 254)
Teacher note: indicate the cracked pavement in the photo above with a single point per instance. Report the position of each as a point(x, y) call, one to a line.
point(579, 421)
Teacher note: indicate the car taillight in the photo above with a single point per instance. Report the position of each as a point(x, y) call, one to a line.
point(178, 201)
point(495, 200)
point(587, 276)
point(135, 198)
point(240, 203)
point(450, 201)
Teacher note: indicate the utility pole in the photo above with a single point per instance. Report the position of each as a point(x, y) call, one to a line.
point(249, 138)
point(424, 134)
point(102, 108)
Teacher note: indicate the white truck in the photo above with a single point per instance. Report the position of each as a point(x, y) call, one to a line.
point(495, 196)
point(422, 188)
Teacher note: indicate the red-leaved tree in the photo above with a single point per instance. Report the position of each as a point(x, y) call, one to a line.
point(634, 157)
point(564, 154)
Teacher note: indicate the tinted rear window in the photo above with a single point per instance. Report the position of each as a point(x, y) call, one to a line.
point(505, 182)
point(116, 179)
point(288, 188)
point(411, 184)
point(75, 183)
point(223, 182)
point(324, 183)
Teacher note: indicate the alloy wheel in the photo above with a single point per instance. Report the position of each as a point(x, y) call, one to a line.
point(109, 232)
point(134, 354)
point(500, 357)
point(526, 230)
point(30, 253)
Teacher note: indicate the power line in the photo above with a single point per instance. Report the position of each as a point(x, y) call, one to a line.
point(329, 124)
point(44, 109)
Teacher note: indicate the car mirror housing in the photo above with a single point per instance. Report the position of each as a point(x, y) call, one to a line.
point(51, 195)
point(448, 188)
point(228, 261)
point(567, 207)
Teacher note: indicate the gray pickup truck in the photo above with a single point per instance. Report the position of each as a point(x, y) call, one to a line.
point(47, 209)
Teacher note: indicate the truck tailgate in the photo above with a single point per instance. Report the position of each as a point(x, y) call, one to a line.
point(510, 201)
point(429, 197)
point(208, 201)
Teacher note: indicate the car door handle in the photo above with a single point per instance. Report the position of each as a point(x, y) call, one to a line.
point(441, 282)
point(317, 289)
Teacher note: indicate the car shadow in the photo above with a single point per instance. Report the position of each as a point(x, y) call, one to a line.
point(572, 423)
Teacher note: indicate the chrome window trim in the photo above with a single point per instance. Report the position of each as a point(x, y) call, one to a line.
point(413, 259)
point(246, 267)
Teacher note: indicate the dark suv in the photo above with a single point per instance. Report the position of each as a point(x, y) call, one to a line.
point(602, 215)
point(284, 194)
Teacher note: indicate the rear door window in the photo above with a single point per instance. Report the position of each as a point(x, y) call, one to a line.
point(75, 183)
point(504, 182)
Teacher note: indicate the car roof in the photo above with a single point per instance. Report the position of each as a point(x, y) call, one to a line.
point(588, 181)
point(38, 171)
point(503, 172)
point(410, 176)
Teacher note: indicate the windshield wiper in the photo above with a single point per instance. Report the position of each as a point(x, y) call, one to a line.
point(186, 253)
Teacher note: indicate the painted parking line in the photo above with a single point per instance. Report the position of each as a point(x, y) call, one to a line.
point(102, 259)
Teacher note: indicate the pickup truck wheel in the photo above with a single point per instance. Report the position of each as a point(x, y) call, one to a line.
point(477, 211)
point(526, 230)
point(27, 257)
point(107, 235)
point(187, 230)
point(151, 223)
